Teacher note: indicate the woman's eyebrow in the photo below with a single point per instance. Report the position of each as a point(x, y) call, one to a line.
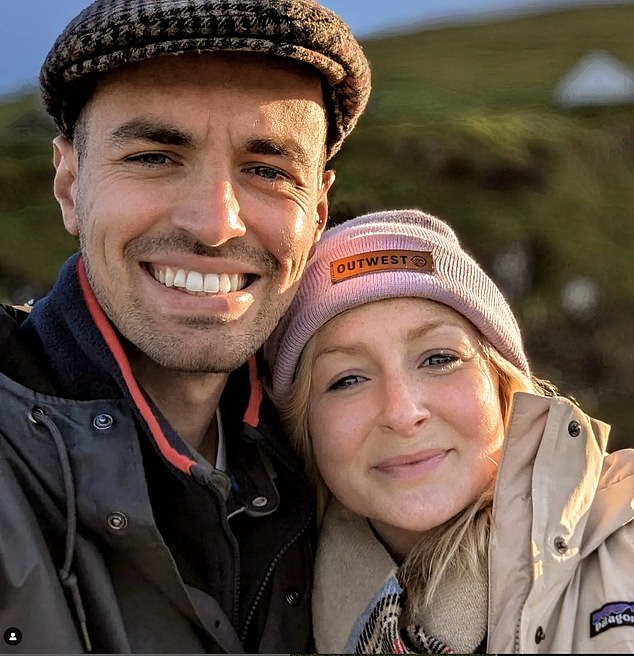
point(353, 347)
point(344, 349)
point(425, 327)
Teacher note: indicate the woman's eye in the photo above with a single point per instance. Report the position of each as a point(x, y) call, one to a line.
point(441, 360)
point(346, 381)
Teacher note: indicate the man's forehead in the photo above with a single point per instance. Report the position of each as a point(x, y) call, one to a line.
point(185, 90)
point(220, 67)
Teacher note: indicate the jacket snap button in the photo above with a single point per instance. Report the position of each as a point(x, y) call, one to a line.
point(33, 412)
point(259, 502)
point(561, 545)
point(292, 597)
point(574, 428)
point(539, 634)
point(103, 421)
point(117, 521)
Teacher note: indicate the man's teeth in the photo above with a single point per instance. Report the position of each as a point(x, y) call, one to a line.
point(193, 281)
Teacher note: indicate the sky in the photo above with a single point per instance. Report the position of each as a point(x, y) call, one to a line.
point(29, 27)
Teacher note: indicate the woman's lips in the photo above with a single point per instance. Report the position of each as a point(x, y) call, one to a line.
point(413, 464)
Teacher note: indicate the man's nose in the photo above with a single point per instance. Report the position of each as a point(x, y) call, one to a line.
point(211, 212)
point(404, 407)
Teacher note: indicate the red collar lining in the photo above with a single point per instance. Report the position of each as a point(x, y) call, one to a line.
point(171, 455)
point(251, 416)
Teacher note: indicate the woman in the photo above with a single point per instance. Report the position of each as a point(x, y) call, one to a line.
point(464, 507)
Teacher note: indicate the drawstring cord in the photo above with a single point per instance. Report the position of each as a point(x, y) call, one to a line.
point(66, 575)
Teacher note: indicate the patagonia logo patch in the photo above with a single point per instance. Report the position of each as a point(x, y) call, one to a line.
point(617, 613)
point(374, 261)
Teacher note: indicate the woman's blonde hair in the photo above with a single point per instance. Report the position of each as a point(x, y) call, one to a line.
point(462, 541)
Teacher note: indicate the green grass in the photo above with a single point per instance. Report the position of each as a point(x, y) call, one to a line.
point(505, 65)
point(33, 242)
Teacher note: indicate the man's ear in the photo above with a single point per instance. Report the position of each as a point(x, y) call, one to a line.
point(327, 180)
point(65, 183)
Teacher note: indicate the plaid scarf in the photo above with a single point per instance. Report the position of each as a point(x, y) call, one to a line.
point(377, 630)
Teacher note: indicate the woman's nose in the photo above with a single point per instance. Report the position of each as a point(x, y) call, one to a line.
point(404, 407)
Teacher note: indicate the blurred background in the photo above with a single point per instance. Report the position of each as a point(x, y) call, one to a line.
point(512, 120)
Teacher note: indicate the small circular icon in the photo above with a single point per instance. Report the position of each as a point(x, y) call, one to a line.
point(419, 261)
point(13, 636)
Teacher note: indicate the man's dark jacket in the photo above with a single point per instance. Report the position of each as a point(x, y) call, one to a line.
point(113, 536)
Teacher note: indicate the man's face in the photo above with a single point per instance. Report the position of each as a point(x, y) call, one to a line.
point(197, 197)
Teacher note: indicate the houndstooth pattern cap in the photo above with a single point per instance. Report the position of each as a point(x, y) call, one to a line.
point(111, 33)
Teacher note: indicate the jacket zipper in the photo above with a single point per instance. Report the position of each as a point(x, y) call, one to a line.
point(236, 589)
point(269, 573)
point(235, 611)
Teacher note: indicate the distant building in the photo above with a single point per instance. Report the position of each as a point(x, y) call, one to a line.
point(596, 79)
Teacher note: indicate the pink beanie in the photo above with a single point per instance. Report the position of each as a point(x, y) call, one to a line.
point(386, 255)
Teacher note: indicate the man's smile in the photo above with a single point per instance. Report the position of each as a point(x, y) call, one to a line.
point(198, 282)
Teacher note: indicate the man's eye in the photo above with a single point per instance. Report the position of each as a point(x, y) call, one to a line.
point(269, 173)
point(346, 381)
point(150, 159)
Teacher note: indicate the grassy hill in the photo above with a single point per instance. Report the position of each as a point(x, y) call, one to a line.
point(33, 242)
point(462, 124)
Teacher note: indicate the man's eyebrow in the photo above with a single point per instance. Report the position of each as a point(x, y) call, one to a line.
point(291, 151)
point(142, 129)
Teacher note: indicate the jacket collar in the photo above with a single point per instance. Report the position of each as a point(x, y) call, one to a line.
point(546, 502)
point(352, 569)
point(553, 460)
point(86, 360)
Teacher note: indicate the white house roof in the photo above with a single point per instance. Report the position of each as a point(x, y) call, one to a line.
point(597, 78)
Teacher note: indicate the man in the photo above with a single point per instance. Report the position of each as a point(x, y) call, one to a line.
point(149, 502)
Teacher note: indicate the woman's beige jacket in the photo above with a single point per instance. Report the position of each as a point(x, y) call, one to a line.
point(561, 554)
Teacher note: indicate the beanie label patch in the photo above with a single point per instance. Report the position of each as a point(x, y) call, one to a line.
point(376, 261)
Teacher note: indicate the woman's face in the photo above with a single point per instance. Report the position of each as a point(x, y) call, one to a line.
point(404, 415)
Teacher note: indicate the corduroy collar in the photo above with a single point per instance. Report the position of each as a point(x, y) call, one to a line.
point(80, 363)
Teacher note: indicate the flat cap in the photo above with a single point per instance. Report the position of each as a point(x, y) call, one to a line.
point(111, 33)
